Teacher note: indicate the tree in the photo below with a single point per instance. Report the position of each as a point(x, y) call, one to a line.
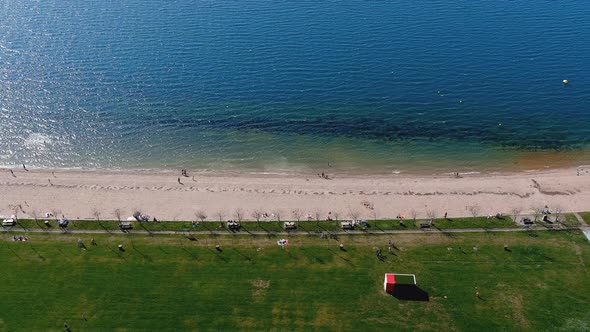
point(278, 214)
point(515, 212)
point(538, 211)
point(35, 215)
point(14, 209)
point(220, 214)
point(257, 214)
point(374, 214)
point(413, 214)
point(239, 214)
point(431, 214)
point(317, 214)
point(354, 214)
point(474, 210)
point(297, 214)
point(117, 214)
point(336, 215)
point(96, 214)
point(200, 214)
point(55, 213)
point(558, 210)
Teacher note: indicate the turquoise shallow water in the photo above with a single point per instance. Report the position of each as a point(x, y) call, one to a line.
point(274, 86)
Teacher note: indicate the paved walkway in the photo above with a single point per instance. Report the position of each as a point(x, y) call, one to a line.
point(374, 232)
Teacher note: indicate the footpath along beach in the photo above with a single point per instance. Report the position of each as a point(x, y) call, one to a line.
point(172, 196)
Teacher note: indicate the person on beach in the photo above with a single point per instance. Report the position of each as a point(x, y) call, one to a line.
point(11, 172)
point(25, 167)
point(49, 180)
point(179, 181)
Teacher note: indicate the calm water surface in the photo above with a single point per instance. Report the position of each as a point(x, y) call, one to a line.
point(367, 86)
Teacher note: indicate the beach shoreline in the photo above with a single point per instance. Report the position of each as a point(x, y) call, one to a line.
point(168, 195)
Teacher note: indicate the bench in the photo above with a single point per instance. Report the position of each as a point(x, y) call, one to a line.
point(426, 224)
point(233, 225)
point(347, 225)
point(126, 226)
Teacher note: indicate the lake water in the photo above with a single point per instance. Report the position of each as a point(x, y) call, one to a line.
point(366, 86)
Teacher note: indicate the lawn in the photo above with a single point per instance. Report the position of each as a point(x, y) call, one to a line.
point(477, 222)
point(569, 219)
point(585, 216)
point(173, 283)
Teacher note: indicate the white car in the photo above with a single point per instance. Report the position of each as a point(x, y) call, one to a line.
point(8, 222)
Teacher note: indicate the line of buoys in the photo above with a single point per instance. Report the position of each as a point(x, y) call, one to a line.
point(565, 82)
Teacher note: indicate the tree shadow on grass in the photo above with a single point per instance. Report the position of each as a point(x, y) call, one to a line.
point(337, 253)
point(22, 226)
point(162, 250)
point(36, 252)
point(205, 226)
point(444, 231)
point(62, 252)
point(103, 227)
point(146, 257)
point(190, 253)
point(220, 256)
point(315, 258)
point(268, 232)
point(118, 253)
point(409, 293)
point(144, 228)
point(13, 252)
point(377, 226)
point(246, 257)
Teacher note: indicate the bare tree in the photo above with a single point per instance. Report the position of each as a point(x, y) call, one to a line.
point(96, 214)
point(558, 211)
point(413, 214)
point(220, 214)
point(474, 210)
point(257, 214)
point(278, 214)
point(200, 214)
point(15, 209)
point(354, 214)
point(317, 213)
point(336, 215)
point(515, 212)
point(538, 211)
point(431, 214)
point(55, 213)
point(239, 214)
point(117, 213)
point(297, 214)
point(35, 214)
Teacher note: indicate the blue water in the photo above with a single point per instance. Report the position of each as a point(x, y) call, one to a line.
point(272, 85)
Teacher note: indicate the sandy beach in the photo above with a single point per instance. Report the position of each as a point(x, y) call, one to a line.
point(77, 194)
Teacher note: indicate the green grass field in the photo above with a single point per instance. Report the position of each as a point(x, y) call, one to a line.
point(569, 219)
point(172, 283)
